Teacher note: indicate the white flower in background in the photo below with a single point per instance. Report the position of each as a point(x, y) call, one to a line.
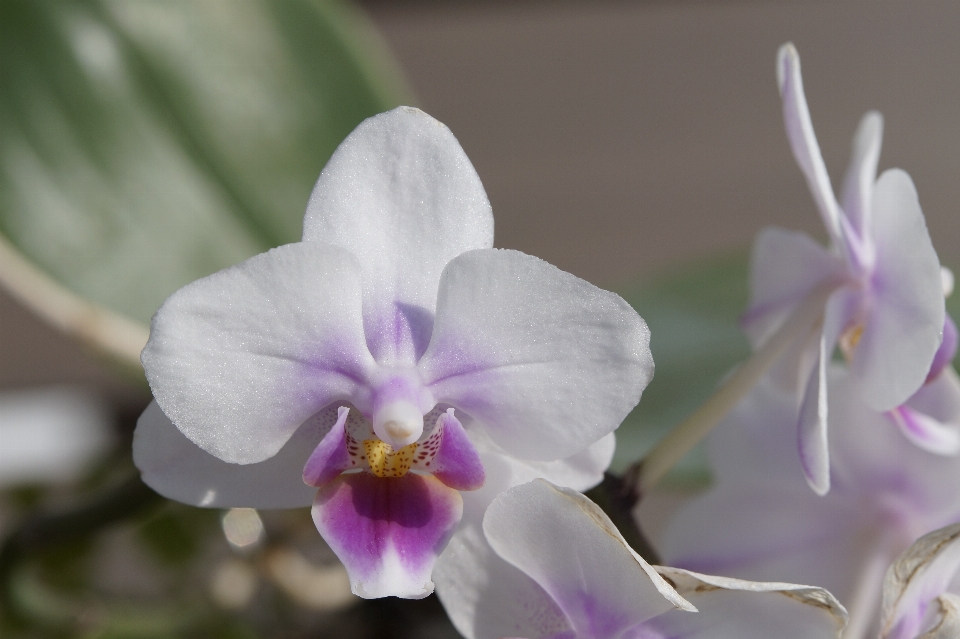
point(921, 592)
point(760, 522)
point(562, 571)
point(52, 434)
point(877, 286)
point(387, 359)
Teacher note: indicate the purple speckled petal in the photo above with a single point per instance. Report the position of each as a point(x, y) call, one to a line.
point(330, 458)
point(457, 463)
point(947, 350)
point(926, 432)
point(388, 532)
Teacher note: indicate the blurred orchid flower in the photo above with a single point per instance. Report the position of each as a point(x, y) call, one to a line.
point(921, 592)
point(564, 571)
point(759, 522)
point(369, 357)
point(878, 284)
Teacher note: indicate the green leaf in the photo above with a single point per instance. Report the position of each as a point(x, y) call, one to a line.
point(692, 314)
point(146, 144)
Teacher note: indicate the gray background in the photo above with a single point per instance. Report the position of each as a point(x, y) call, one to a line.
point(617, 138)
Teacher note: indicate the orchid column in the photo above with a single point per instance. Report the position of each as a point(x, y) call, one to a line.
point(374, 357)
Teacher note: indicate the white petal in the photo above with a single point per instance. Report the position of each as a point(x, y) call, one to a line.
point(862, 172)
point(734, 609)
point(812, 422)
point(487, 598)
point(785, 266)
point(239, 359)
point(872, 460)
point(180, 470)
point(546, 362)
point(904, 327)
point(565, 543)
point(766, 532)
point(803, 141)
point(400, 194)
point(916, 579)
point(812, 427)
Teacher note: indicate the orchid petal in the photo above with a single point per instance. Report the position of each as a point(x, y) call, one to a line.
point(947, 350)
point(926, 432)
point(580, 471)
point(387, 531)
point(487, 598)
point(330, 458)
point(457, 463)
point(869, 456)
point(239, 359)
point(565, 543)
point(785, 267)
point(803, 141)
point(400, 194)
point(903, 331)
point(766, 532)
point(544, 361)
point(862, 172)
point(916, 579)
point(178, 469)
point(735, 609)
point(949, 624)
point(812, 427)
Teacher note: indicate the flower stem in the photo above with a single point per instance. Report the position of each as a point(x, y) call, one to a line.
point(689, 432)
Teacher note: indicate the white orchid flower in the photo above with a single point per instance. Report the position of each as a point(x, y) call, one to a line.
point(877, 286)
point(368, 358)
point(921, 592)
point(759, 521)
point(561, 570)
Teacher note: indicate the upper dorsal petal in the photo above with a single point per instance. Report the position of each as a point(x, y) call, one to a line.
point(400, 194)
point(803, 140)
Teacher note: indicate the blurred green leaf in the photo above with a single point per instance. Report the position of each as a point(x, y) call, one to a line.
point(692, 314)
point(146, 144)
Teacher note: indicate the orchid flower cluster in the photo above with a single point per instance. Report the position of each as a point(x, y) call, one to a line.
point(438, 403)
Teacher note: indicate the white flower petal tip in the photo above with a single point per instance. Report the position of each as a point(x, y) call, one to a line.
point(388, 532)
point(803, 140)
point(917, 603)
point(569, 547)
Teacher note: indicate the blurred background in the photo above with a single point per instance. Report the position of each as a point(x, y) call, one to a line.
point(638, 145)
